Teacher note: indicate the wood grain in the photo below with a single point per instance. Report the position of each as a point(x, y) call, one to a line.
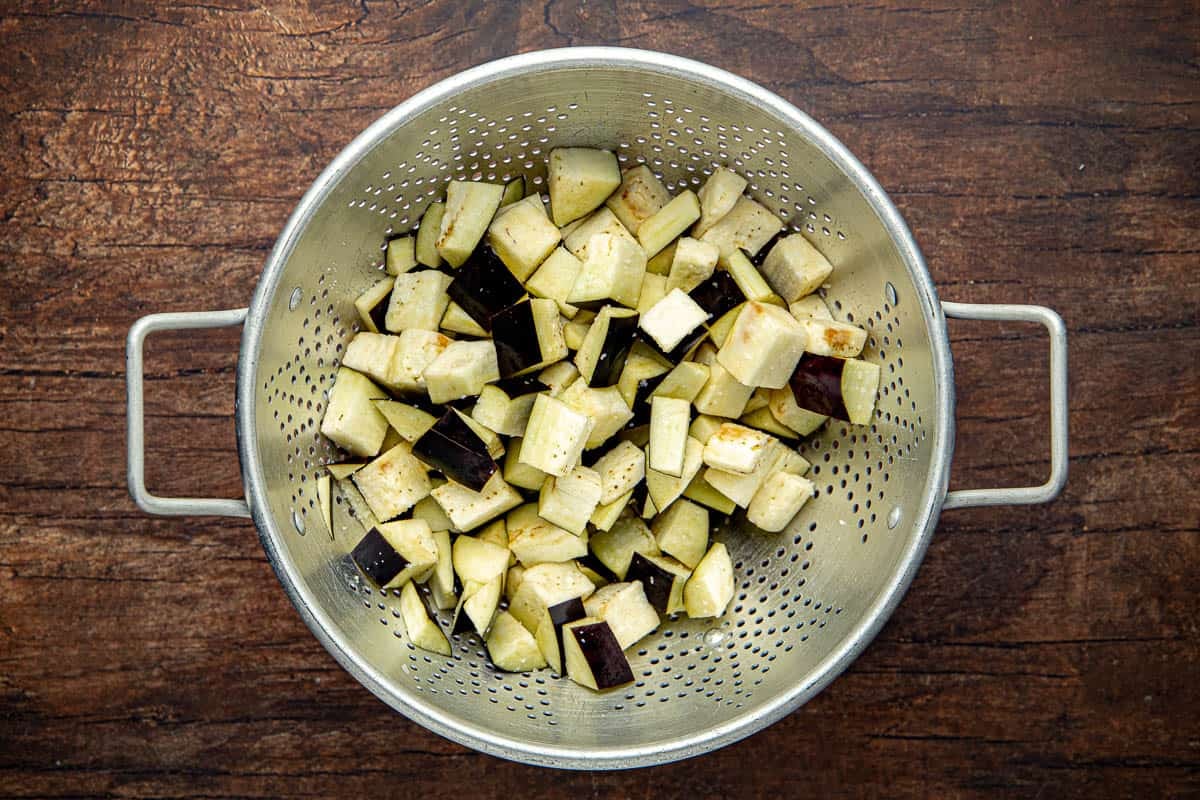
point(1041, 153)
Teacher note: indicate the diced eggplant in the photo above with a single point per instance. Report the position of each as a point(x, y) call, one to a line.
point(662, 580)
point(428, 509)
point(640, 196)
point(717, 198)
point(534, 540)
point(418, 300)
point(468, 509)
point(836, 387)
point(736, 448)
point(401, 255)
point(372, 305)
point(395, 362)
point(825, 337)
point(778, 501)
point(741, 487)
point(528, 336)
point(704, 427)
point(478, 561)
point(517, 472)
point(749, 281)
point(575, 331)
point(693, 263)
point(637, 435)
point(654, 288)
point(422, 631)
point(702, 492)
point(683, 382)
point(554, 280)
point(672, 319)
point(511, 647)
point(393, 482)
point(613, 269)
point(351, 421)
point(580, 235)
point(615, 548)
point(545, 585)
point(669, 419)
point(512, 581)
point(810, 307)
point(710, 588)
point(783, 407)
point(644, 369)
point(718, 294)
point(669, 222)
point(748, 226)
point(355, 506)
point(505, 415)
point(758, 400)
point(441, 580)
point(762, 419)
point(620, 470)
point(427, 235)
point(604, 408)
point(601, 356)
point(461, 370)
point(523, 237)
point(453, 448)
point(763, 348)
point(660, 263)
point(722, 395)
point(393, 553)
point(496, 532)
point(569, 500)
point(626, 610)
point(682, 531)
point(664, 488)
point(456, 320)
point(470, 206)
point(795, 268)
point(580, 179)
point(607, 514)
point(555, 437)
point(514, 190)
point(325, 501)
point(483, 286)
point(408, 421)
point(391, 440)
point(478, 606)
point(550, 630)
point(593, 656)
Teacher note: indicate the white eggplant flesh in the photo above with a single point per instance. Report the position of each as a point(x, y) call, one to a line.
point(736, 448)
point(795, 268)
point(682, 531)
point(408, 421)
point(351, 420)
point(639, 197)
point(461, 370)
point(669, 420)
point(683, 382)
point(427, 235)
point(613, 269)
point(554, 280)
point(621, 469)
point(580, 179)
point(534, 540)
point(748, 226)
point(604, 408)
point(422, 631)
point(717, 198)
point(468, 509)
point(418, 300)
point(669, 321)
point(523, 238)
point(663, 488)
point(544, 585)
point(511, 647)
point(669, 222)
point(401, 255)
point(710, 588)
point(470, 206)
point(614, 548)
point(764, 346)
point(693, 263)
point(825, 337)
point(626, 610)
point(393, 482)
point(568, 501)
point(555, 437)
point(778, 501)
point(478, 560)
point(457, 320)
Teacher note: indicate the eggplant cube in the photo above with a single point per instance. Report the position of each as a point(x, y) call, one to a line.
point(669, 419)
point(457, 320)
point(626, 610)
point(663, 488)
point(393, 553)
point(394, 482)
point(671, 220)
point(671, 319)
point(470, 206)
point(483, 286)
point(783, 407)
point(422, 631)
point(401, 255)
point(722, 395)
point(835, 387)
point(683, 382)
point(620, 470)
point(545, 585)
point(505, 415)
point(523, 237)
point(534, 540)
point(517, 472)
point(418, 300)
point(654, 288)
point(643, 371)
point(415, 350)
point(605, 410)
point(579, 235)
point(778, 501)
point(554, 280)
point(752, 285)
point(693, 263)
point(372, 305)
point(764, 346)
point(441, 581)
point(580, 179)
point(640, 195)
point(682, 531)
point(717, 198)
point(601, 355)
point(477, 608)
point(825, 337)
point(461, 370)
point(427, 235)
point(373, 354)
point(702, 492)
point(569, 500)
point(748, 226)
point(511, 647)
point(662, 580)
point(810, 307)
point(607, 514)
point(795, 268)
point(710, 588)
point(614, 548)
point(468, 509)
point(557, 378)
point(741, 487)
point(593, 656)
point(351, 420)
point(477, 560)
point(549, 630)
point(408, 421)
point(736, 448)
point(528, 336)
point(613, 269)
point(555, 437)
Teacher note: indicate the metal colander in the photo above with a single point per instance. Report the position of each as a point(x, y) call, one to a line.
point(807, 600)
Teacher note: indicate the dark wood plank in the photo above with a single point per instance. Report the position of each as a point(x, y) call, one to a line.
point(1041, 153)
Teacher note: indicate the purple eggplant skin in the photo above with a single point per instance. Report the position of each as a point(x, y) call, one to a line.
point(453, 448)
point(656, 581)
point(483, 286)
point(517, 386)
point(681, 350)
point(817, 385)
point(718, 294)
point(561, 614)
point(604, 656)
point(377, 559)
point(515, 335)
point(618, 341)
point(596, 565)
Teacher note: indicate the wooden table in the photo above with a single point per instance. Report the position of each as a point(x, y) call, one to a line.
point(1048, 154)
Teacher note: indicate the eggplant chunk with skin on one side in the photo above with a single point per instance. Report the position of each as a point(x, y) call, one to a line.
point(836, 387)
point(593, 656)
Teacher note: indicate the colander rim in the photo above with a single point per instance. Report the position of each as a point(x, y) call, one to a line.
point(464, 730)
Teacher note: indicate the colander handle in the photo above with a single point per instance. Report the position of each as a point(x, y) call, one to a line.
point(1025, 495)
point(150, 503)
